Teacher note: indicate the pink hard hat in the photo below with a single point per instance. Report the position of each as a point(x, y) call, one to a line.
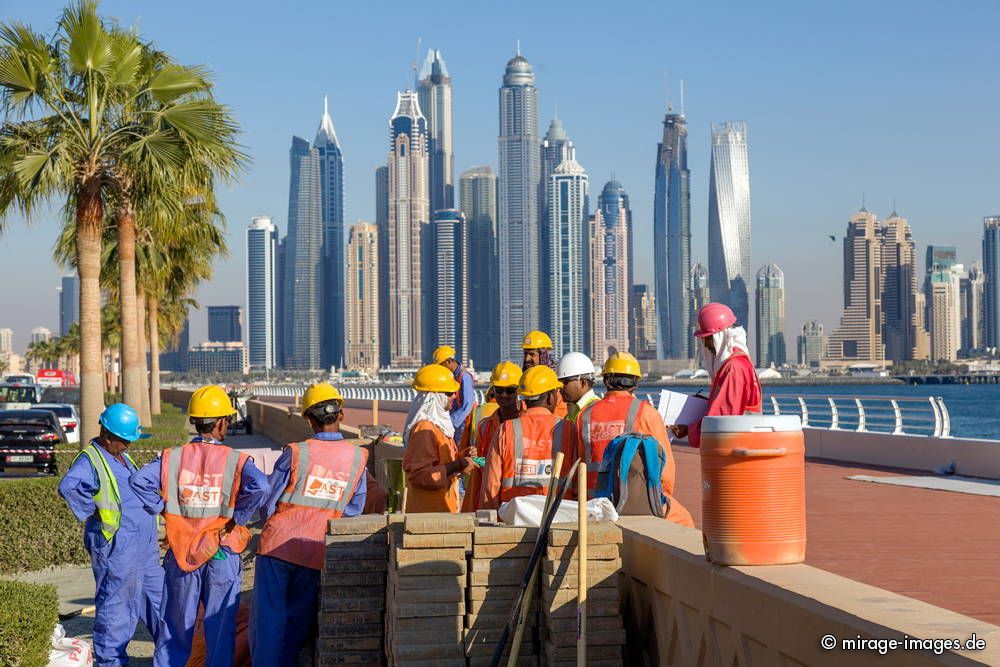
point(713, 318)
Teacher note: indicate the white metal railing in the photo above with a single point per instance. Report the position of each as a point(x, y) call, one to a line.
point(876, 414)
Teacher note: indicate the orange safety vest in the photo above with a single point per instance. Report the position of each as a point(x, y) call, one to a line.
point(295, 532)
point(597, 432)
point(479, 415)
point(200, 483)
point(532, 456)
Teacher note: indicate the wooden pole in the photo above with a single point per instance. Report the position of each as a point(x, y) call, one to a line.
point(581, 577)
point(515, 647)
point(375, 411)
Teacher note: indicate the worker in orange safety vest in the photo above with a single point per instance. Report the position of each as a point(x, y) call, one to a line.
point(537, 348)
point(620, 411)
point(520, 459)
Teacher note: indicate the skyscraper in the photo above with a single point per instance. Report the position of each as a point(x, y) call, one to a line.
point(770, 316)
point(478, 200)
point(991, 271)
point(409, 214)
point(279, 301)
point(69, 303)
point(942, 256)
point(568, 208)
point(609, 272)
point(859, 337)
point(643, 317)
point(517, 203)
point(41, 335)
point(434, 90)
point(175, 357)
point(448, 264)
point(304, 260)
point(382, 222)
point(700, 292)
point(261, 259)
point(363, 298)
point(811, 344)
point(6, 341)
point(904, 333)
point(225, 324)
point(729, 219)
point(672, 239)
point(942, 298)
point(556, 149)
point(331, 178)
point(971, 307)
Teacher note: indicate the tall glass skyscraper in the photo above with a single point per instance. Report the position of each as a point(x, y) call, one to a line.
point(672, 239)
point(382, 222)
point(478, 200)
point(448, 260)
point(729, 219)
point(409, 214)
point(302, 324)
point(568, 266)
point(991, 270)
point(331, 167)
point(519, 174)
point(556, 149)
point(903, 323)
point(69, 303)
point(610, 264)
point(770, 341)
point(261, 259)
point(362, 298)
point(434, 91)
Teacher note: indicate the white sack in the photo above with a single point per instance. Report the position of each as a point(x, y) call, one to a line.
point(527, 511)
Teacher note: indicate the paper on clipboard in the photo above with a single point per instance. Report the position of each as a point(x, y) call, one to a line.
point(678, 408)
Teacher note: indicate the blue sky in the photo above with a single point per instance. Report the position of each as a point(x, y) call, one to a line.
point(896, 100)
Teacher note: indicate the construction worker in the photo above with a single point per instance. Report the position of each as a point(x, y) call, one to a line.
point(576, 372)
point(520, 458)
point(504, 407)
point(465, 400)
point(431, 460)
point(537, 348)
point(119, 535)
point(735, 385)
point(314, 481)
point(620, 411)
point(207, 493)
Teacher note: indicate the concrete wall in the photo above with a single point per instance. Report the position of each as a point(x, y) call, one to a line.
point(682, 610)
point(973, 458)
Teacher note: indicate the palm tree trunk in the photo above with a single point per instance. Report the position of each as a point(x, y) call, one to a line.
point(144, 414)
point(154, 357)
point(89, 214)
point(133, 384)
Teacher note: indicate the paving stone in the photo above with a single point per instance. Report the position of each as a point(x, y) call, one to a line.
point(595, 608)
point(423, 583)
point(357, 551)
point(504, 534)
point(353, 579)
point(350, 658)
point(493, 635)
point(494, 606)
point(594, 552)
point(554, 653)
point(500, 578)
point(493, 592)
point(522, 661)
point(598, 624)
point(373, 643)
point(431, 624)
point(423, 637)
point(343, 605)
point(529, 646)
point(430, 595)
point(486, 517)
point(338, 541)
point(439, 522)
point(410, 556)
point(601, 532)
point(498, 564)
point(432, 568)
point(503, 550)
point(337, 566)
point(350, 617)
point(557, 596)
point(437, 541)
point(433, 652)
point(594, 580)
point(353, 630)
point(352, 592)
point(594, 638)
point(419, 609)
point(357, 525)
point(572, 566)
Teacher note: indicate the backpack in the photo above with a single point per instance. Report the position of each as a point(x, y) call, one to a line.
point(630, 475)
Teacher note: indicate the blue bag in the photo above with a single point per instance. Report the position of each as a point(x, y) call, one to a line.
point(633, 463)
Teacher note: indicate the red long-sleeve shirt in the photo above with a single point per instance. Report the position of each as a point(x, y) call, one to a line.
point(735, 391)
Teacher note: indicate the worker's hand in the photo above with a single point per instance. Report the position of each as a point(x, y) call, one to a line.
point(470, 451)
point(228, 528)
point(679, 430)
point(468, 464)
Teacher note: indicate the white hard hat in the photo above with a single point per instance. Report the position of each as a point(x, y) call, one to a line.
point(573, 364)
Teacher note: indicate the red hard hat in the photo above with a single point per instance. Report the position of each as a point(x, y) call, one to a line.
point(713, 318)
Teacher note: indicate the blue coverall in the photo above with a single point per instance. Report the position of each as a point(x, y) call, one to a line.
point(285, 595)
point(127, 569)
point(464, 403)
point(216, 584)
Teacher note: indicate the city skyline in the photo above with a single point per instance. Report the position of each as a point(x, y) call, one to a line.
point(775, 111)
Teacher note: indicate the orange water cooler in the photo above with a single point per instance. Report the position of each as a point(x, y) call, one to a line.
point(753, 495)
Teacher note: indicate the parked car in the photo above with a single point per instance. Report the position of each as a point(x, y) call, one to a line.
point(69, 419)
point(19, 396)
point(28, 439)
point(19, 379)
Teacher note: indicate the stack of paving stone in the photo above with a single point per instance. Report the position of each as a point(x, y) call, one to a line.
point(500, 557)
point(605, 632)
point(426, 593)
point(352, 592)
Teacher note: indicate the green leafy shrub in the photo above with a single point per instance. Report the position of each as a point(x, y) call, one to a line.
point(28, 614)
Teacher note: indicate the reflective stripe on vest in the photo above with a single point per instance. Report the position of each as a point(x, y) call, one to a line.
point(204, 510)
point(585, 418)
point(108, 498)
point(531, 481)
point(477, 416)
point(297, 495)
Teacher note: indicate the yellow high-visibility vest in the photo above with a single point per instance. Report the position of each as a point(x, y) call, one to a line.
point(108, 498)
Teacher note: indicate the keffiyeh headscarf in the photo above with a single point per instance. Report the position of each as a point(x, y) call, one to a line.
point(727, 342)
point(429, 407)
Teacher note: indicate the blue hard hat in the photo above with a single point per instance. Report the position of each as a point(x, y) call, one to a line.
point(121, 420)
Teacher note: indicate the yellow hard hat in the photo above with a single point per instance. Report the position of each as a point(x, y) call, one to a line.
point(443, 354)
point(505, 374)
point(210, 402)
point(321, 392)
point(436, 378)
point(536, 340)
point(538, 380)
point(622, 363)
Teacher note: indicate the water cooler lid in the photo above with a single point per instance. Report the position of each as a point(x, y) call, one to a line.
point(751, 424)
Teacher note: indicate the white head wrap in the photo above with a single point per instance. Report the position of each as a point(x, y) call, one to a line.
point(726, 342)
point(429, 407)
